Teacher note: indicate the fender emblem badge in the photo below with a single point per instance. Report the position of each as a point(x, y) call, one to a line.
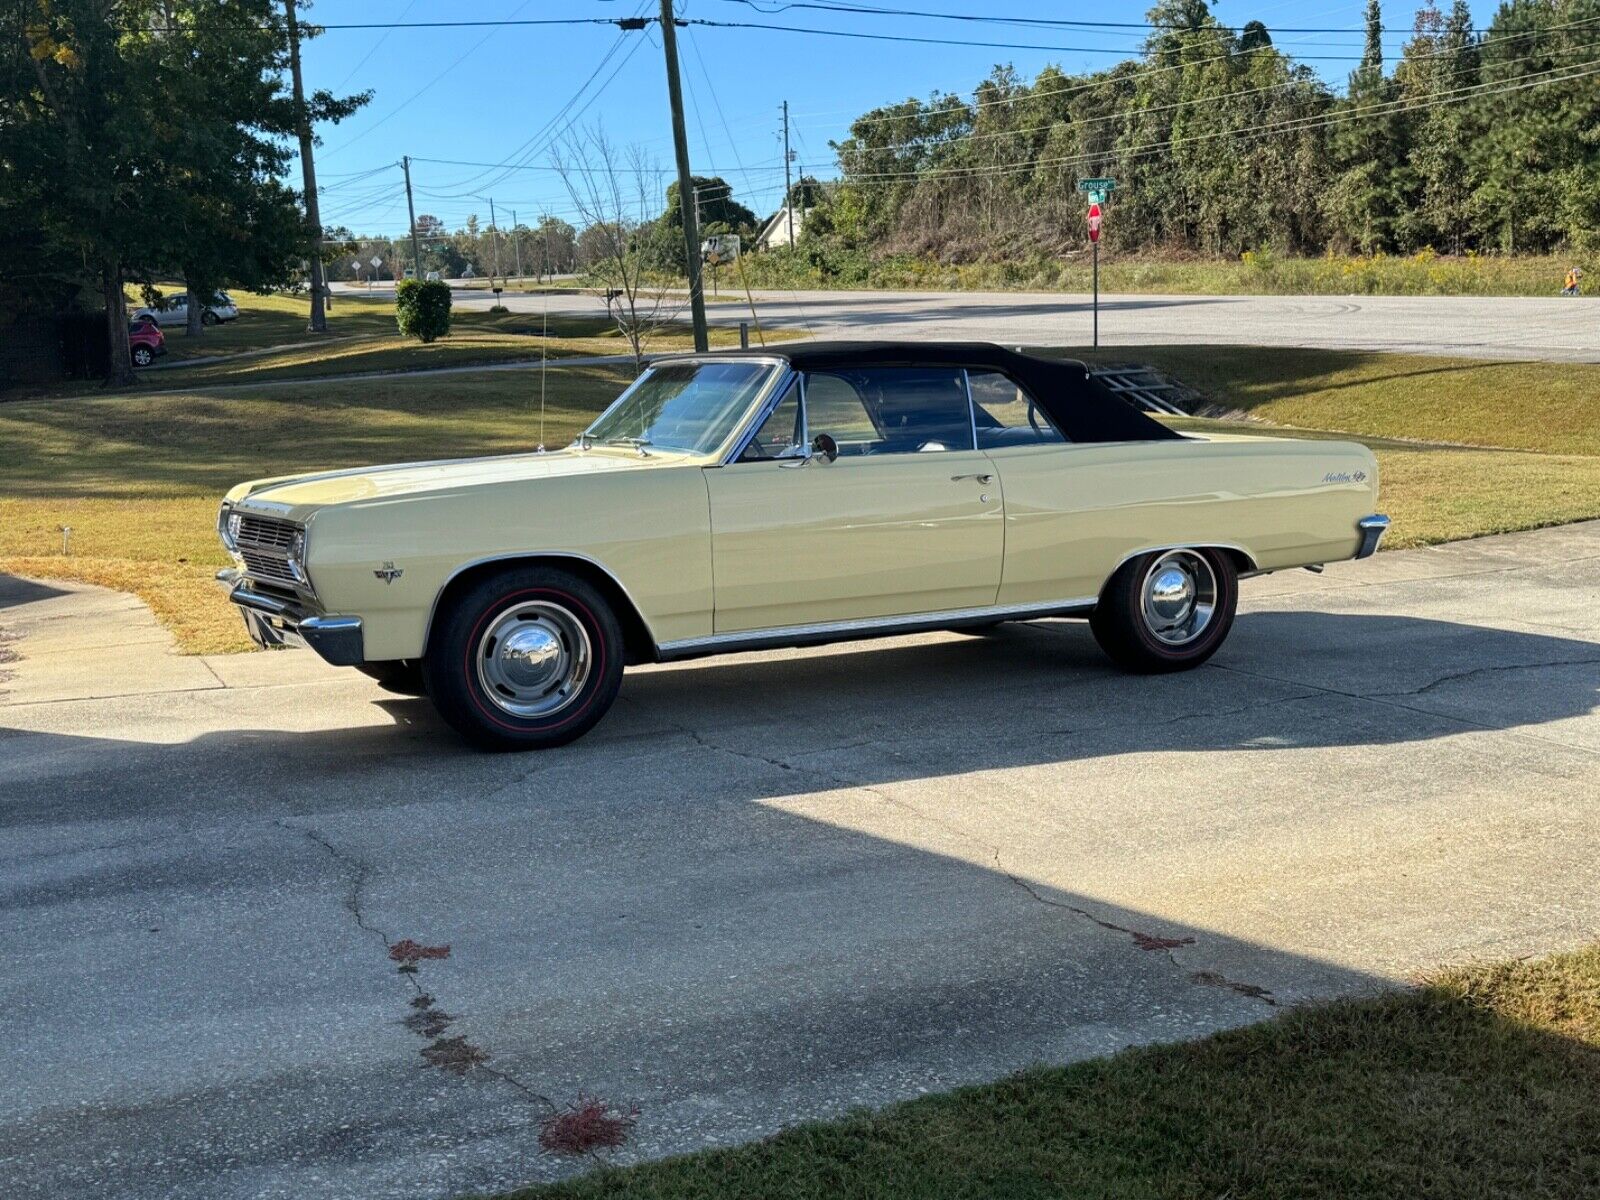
point(389, 572)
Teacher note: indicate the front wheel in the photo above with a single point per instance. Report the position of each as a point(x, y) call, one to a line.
point(525, 659)
point(1168, 610)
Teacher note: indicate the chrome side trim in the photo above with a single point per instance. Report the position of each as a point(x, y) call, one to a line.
point(1372, 530)
point(868, 627)
point(528, 555)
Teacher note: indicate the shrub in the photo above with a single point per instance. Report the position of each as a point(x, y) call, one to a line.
point(422, 308)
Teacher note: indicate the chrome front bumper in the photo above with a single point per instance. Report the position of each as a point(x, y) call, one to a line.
point(1372, 530)
point(275, 621)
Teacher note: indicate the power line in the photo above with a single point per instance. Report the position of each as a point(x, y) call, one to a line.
point(931, 41)
point(1032, 22)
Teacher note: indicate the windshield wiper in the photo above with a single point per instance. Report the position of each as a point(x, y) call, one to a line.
point(638, 443)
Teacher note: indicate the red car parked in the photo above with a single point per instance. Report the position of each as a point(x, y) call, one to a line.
point(146, 342)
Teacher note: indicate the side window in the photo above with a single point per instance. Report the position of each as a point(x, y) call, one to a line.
point(780, 434)
point(1006, 415)
point(890, 410)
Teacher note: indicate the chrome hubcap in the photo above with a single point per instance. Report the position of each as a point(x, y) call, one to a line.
point(1179, 597)
point(534, 659)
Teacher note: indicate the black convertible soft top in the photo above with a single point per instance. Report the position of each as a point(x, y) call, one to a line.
point(1083, 409)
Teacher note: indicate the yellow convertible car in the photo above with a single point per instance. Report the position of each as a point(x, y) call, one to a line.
point(732, 502)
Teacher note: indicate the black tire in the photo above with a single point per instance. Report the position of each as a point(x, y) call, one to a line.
point(143, 356)
point(494, 699)
point(403, 676)
point(1127, 629)
point(209, 318)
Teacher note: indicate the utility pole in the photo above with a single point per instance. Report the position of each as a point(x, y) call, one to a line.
point(416, 250)
point(788, 188)
point(516, 242)
point(494, 238)
point(680, 141)
point(308, 173)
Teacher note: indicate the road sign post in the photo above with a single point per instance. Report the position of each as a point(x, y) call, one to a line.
point(1094, 241)
point(1097, 190)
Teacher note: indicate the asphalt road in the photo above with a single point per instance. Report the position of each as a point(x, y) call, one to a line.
point(766, 888)
point(1557, 328)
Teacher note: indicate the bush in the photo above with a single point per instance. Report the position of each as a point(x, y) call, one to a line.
point(422, 308)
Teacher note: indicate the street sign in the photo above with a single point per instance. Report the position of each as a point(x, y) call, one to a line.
point(1094, 221)
point(356, 263)
point(1096, 185)
point(376, 262)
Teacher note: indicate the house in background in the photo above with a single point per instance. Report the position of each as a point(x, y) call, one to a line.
point(776, 231)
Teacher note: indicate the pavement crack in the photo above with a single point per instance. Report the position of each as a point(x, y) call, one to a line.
point(1458, 675)
point(360, 871)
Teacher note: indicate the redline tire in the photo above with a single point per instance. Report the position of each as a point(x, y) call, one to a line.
point(1149, 617)
point(525, 659)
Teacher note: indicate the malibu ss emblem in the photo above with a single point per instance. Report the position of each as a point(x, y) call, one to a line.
point(389, 572)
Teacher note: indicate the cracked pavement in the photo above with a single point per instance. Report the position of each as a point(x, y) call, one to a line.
point(766, 888)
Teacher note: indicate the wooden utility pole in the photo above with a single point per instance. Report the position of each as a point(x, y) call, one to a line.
point(416, 250)
point(680, 142)
point(308, 174)
point(788, 188)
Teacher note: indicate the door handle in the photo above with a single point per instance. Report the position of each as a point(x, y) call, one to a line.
point(981, 478)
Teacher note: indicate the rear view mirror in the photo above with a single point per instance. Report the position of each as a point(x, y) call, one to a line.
point(824, 445)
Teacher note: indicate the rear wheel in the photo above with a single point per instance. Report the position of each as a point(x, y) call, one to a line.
point(403, 676)
point(525, 659)
point(1168, 610)
point(143, 356)
point(209, 318)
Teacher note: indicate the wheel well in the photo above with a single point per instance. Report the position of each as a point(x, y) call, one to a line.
point(638, 644)
point(1243, 564)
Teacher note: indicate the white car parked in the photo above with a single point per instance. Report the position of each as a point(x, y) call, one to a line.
point(174, 310)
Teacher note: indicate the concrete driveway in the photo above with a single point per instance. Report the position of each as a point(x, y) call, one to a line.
point(766, 888)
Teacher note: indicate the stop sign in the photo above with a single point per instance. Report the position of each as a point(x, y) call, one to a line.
point(1094, 222)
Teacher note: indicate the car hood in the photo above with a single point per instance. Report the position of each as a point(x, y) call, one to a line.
point(297, 496)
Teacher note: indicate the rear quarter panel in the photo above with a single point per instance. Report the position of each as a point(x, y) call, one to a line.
point(1074, 513)
point(649, 529)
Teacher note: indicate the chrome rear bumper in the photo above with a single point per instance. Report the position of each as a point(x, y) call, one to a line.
point(275, 621)
point(1372, 530)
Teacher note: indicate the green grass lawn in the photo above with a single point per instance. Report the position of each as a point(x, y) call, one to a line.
point(138, 476)
point(1484, 1083)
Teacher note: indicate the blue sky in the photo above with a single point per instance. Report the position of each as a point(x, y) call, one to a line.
point(483, 96)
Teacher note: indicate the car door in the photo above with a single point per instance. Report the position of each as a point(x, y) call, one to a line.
point(906, 520)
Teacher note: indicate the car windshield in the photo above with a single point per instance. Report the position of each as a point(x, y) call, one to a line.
point(688, 406)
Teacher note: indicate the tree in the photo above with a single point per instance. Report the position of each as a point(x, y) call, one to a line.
point(613, 191)
point(1367, 148)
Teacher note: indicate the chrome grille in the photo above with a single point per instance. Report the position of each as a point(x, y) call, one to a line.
point(264, 545)
point(266, 533)
point(267, 568)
